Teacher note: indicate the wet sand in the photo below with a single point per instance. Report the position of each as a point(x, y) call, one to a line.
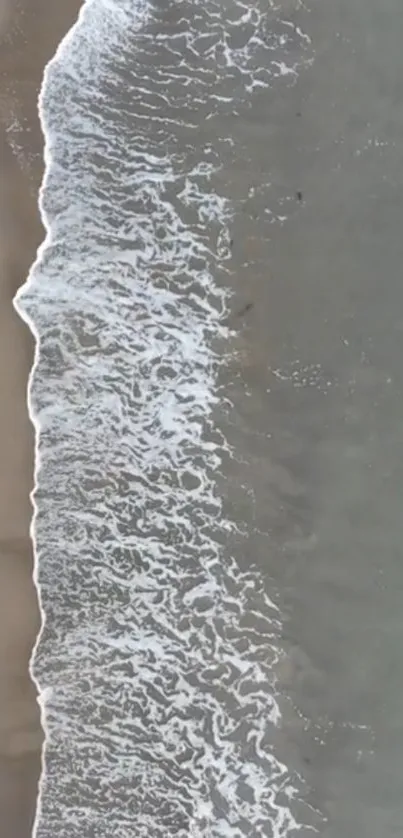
point(26, 45)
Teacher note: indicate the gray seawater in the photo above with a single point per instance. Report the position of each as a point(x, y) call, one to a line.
point(219, 393)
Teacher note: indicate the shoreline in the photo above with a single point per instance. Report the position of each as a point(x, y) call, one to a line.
point(26, 46)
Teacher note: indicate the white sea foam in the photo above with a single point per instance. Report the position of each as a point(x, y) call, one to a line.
point(155, 664)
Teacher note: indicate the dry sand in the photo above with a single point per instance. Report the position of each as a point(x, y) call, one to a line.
point(29, 33)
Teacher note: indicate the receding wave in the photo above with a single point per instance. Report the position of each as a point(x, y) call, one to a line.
point(155, 663)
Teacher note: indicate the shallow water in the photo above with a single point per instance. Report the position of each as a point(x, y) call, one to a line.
point(219, 396)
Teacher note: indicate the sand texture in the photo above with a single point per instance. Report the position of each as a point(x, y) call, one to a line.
point(29, 34)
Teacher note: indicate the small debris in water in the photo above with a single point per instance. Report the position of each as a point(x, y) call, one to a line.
point(244, 310)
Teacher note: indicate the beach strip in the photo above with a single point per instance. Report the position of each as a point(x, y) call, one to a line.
point(30, 32)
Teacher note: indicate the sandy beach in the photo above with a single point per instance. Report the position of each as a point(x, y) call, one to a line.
point(219, 523)
point(26, 45)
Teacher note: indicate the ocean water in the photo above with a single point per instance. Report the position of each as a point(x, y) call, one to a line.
point(219, 391)
point(157, 660)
